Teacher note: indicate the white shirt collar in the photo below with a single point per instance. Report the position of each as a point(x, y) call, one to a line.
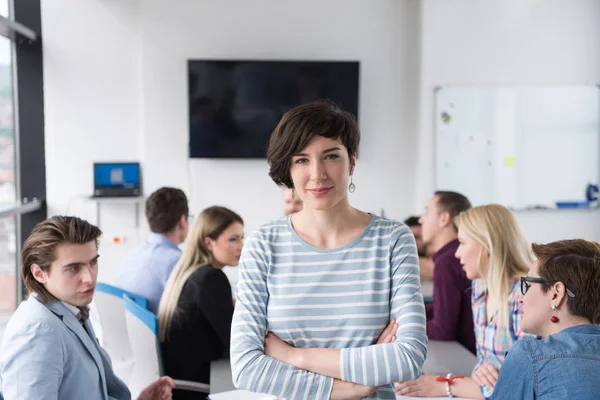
point(72, 308)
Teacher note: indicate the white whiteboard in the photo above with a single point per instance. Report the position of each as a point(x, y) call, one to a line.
point(523, 147)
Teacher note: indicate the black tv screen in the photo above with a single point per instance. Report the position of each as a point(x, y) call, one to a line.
point(235, 105)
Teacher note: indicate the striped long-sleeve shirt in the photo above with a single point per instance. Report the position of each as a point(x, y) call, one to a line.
point(328, 298)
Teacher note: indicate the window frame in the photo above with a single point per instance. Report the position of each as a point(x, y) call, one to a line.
point(23, 28)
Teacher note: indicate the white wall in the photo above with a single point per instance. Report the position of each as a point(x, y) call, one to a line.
point(91, 91)
point(92, 109)
point(373, 32)
point(116, 88)
point(507, 42)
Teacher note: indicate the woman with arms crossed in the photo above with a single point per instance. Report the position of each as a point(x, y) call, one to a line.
point(327, 280)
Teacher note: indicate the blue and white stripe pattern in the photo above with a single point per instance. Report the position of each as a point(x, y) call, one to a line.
point(336, 298)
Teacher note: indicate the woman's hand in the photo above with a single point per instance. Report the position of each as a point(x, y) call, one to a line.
point(158, 390)
point(424, 386)
point(486, 375)
point(389, 333)
point(350, 391)
point(278, 349)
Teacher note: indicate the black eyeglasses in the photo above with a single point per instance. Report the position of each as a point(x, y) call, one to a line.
point(526, 282)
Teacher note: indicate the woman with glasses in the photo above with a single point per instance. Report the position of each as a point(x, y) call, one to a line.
point(561, 304)
point(495, 255)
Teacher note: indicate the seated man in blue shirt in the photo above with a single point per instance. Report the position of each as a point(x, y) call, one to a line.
point(146, 271)
point(49, 350)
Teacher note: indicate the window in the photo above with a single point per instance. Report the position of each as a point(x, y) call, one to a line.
point(21, 179)
point(8, 183)
point(4, 8)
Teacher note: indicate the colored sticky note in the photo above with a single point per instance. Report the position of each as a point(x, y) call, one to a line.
point(509, 161)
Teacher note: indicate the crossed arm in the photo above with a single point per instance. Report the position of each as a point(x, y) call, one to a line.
point(322, 370)
point(325, 362)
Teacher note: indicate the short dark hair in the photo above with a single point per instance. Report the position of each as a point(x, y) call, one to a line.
point(453, 203)
point(411, 221)
point(575, 263)
point(40, 247)
point(164, 209)
point(299, 125)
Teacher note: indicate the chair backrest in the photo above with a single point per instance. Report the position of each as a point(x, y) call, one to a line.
point(142, 331)
point(118, 292)
point(108, 302)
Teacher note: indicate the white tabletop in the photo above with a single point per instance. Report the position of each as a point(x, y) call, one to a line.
point(220, 376)
point(245, 395)
point(425, 398)
point(427, 290)
point(240, 395)
point(442, 357)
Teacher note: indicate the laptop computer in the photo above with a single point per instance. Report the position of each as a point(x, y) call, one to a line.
point(117, 179)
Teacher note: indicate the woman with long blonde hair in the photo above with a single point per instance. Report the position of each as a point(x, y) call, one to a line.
point(196, 307)
point(495, 255)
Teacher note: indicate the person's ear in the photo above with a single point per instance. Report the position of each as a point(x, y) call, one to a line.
point(352, 164)
point(445, 219)
point(208, 242)
point(183, 220)
point(558, 291)
point(38, 273)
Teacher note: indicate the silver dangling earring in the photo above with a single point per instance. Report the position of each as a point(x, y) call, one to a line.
point(352, 186)
point(293, 194)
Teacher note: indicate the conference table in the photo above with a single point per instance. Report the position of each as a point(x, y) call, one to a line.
point(427, 290)
point(245, 395)
point(442, 357)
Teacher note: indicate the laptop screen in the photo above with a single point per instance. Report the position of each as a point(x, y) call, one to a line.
point(116, 175)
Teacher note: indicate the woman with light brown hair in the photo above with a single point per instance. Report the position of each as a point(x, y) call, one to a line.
point(197, 306)
point(495, 255)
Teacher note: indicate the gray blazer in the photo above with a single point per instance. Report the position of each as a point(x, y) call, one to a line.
point(46, 354)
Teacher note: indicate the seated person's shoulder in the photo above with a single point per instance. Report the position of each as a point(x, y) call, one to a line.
point(524, 349)
point(205, 276)
point(206, 272)
point(33, 321)
point(163, 259)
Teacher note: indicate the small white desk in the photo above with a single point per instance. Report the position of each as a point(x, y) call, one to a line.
point(220, 376)
point(245, 395)
point(240, 395)
point(427, 290)
point(442, 357)
point(425, 398)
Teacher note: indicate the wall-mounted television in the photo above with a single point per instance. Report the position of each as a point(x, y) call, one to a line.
point(235, 105)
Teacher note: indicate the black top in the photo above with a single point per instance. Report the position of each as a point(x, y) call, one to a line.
point(200, 329)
